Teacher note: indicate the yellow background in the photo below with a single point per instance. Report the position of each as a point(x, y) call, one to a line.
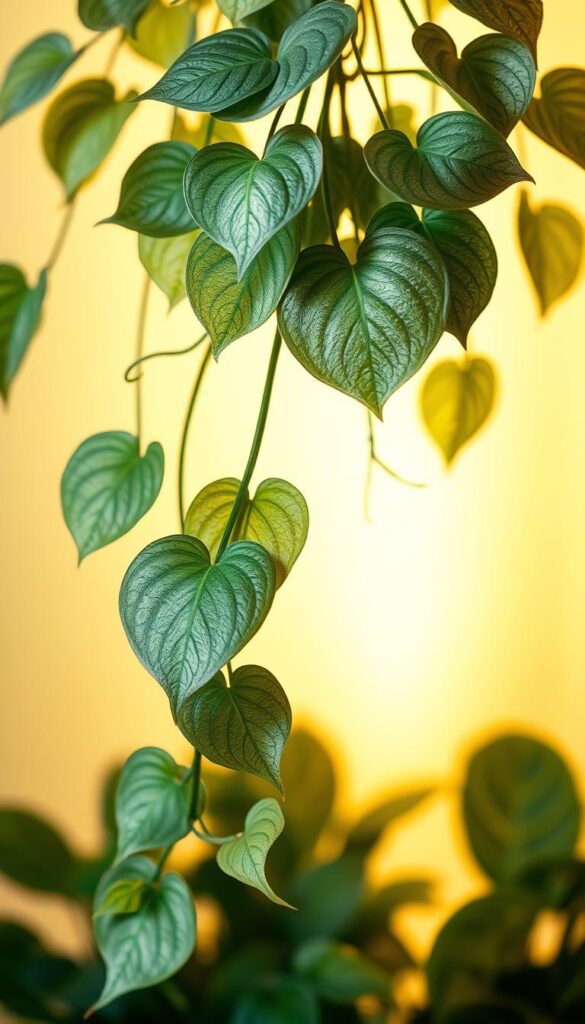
point(457, 611)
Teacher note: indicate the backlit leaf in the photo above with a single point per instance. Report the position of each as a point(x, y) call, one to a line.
point(152, 802)
point(33, 853)
point(521, 19)
point(456, 400)
point(165, 261)
point(151, 199)
point(20, 315)
point(551, 238)
point(209, 512)
point(339, 972)
point(163, 32)
point(123, 897)
point(34, 71)
point(244, 858)
point(557, 116)
point(101, 15)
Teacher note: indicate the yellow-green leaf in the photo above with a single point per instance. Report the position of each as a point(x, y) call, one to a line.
point(557, 116)
point(551, 238)
point(456, 400)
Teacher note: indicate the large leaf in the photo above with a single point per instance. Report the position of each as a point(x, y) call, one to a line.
point(278, 1001)
point(456, 400)
point(467, 251)
point(101, 15)
point(495, 74)
point(152, 802)
point(459, 161)
point(146, 947)
point(33, 853)
point(34, 71)
point(557, 116)
point(520, 806)
point(241, 201)
point(237, 10)
point(227, 307)
point(366, 328)
point(165, 261)
point(108, 486)
point(339, 972)
point(244, 858)
point(551, 238)
point(163, 32)
point(519, 18)
point(185, 617)
point(81, 126)
point(371, 827)
point(20, 315)
point(151, 198)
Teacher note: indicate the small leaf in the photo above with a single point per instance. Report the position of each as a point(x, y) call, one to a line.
point(521, 19)
point(456, 400)
point(108, 486)
point(278, 1001)
point(163, 32)
point(557, 116)
point(34, 72)
point(80, 128)
point(210, 510)
point(366, 328)
point(243, 726)
point(33, 853)
point(149, 946)
point(165, 261)
point(495, 74)
point(237, 10)
point(339, 973)
point(230, 308)
point(185, 617)
point(244, 858)
point(551, 238)
point(151, 199)
point(152, 802)
point(369, 829)
point(20, 316)
point(101, 15)
point(520, 806)
point(123, 897)
point(459, 161)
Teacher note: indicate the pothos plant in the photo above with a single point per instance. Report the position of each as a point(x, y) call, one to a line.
point(247, 236)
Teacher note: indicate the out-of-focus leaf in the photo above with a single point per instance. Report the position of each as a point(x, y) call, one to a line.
point(33, 853)
point(339, 972)
point(20, 315)
point(456, 400)
point(557, 116)
point(163, 32)
point(369, 829)
point(278, 1001)
point(551, 238)
point(165, 261)
point(34, 72)
point(327, 897)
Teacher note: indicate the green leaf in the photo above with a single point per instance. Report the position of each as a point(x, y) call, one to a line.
point(152, 802)
point(237, 10)
point(467, 251)
point(520, 806)
point(20, 316)
point(123, 897)
point(459, 161)
point(366, 328)
point(33, 853)
point(278, 1001)
point(551, 238)
point(495, 75)
point(227, 307)
point(339, 972)
point(327, 897)
point(151, 198)
point(456, 400)
point(165, 261)
point(244, 858)
point(558, 114)
point(34, 72)
point(277, 517)
point(275, 18)
point(351, 188)
point(101, 15)
point(307, 768)
point(108, 486)
point(185, 617)
point(80, 128)
point(163, 32)
point(243, 726)
point(149, 946)
point(370, 828)
point(242, 201)
point(521, 19)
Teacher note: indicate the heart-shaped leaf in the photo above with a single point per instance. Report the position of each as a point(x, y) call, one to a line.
point(101, 15)
point(123, 897)
point(244, 858)
point(163, 33)
point(552, 244)
point(185, 617)
point(557, 116)
point(521, 19)
point(34, 71)
point(33, 853)
point(241, 201)
point(459, 161)
point(339, 972)
point(456, 400)
point(467, 252)
point(237, 10)
point(243, 726)
point(276, 517)
point(366, 328)
point(151, 199)
point(495, 74)
point(81, 126)
point(165, 261)
point(227, 307)
point(108, 486)
point(150, 945)
point(152, 802)
point(20, 315)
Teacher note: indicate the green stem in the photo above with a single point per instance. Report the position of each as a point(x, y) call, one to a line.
point(160, 355)
point(208, 837)
point(408, 12)
point(381, 56)
point(61, 235)
point(274, 124)
point(114, 53)
point(347, 137)
point(401, 71)
point(373, 96)
point(302, 105)
point(255, 449)
point(209, 130)
point(164, 857)
point(140, 332)
point(183, 446)
point(376, 460)
point(196, 775)
point(324, 136)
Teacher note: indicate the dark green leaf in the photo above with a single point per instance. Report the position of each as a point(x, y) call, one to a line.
point(228, 308)
point(244, 858)
point(281, 1001)
point(123, 897)
point(521, 19)
point(20, 315)
point(339, 972)
point(151, 199)
point(307, 768)
point(146, 947)
point(108, 486)
point(34, 72)
point(163, 32)
point(520, 806)
point(327, 897)
point(351, 188)
point(551, 238)
point(369, 829)
point(165, 261)
point(185, 617)
point(275, 18)
point(557, 116)
point(101, 15)
point(371, 918)
point(33, 853)
point(152, 802)
point(243, 726)
point(237, 10)
point(495, 74)
point(456, 400)
point(366, 328)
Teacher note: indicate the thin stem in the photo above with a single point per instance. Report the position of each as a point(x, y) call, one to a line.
point(347, 139)
point(207, 837)
point(209, 130)
point(255, 449)
point(274, 124)
point(196, 774)
point(376, 460)
point(140, 332)
point(114, 53)
point(324, 136)
point(164, 857)
point(183, 447)
point(160, 355)
point(364, 75)
point(302, 105)
point(381, 55)
point(230, 673)
point(408, 12)
point(61, 235)
point(91, 42)
point(400, 71)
